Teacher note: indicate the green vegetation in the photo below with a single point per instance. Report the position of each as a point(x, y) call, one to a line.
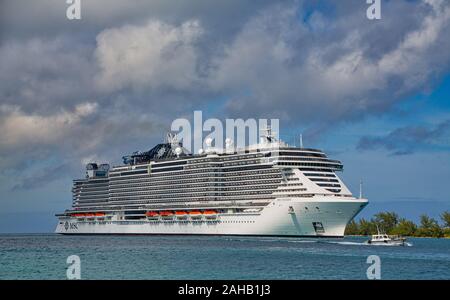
point(391, 223)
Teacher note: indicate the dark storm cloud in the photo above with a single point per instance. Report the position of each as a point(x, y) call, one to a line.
point(112, 82)
point(407, 140)
point(26, 19)
point(45, 75)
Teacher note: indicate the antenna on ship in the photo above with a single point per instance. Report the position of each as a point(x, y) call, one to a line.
point(267, 135)
point(360, 189)
point(301, 140)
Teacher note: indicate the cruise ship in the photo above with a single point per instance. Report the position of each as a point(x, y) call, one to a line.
point(267, 189)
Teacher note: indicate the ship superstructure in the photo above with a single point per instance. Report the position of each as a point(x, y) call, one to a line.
point(266, 189)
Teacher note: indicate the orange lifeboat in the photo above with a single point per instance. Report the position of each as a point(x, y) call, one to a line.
point(210, 214)
point(100, 216)
point(181, 214)
point(151, 214)
point(195, 214)
point(166, 214)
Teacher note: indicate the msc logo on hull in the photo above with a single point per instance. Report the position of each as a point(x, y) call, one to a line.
point(68, 225)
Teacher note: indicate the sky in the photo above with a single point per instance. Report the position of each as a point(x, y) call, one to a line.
point(374, 94)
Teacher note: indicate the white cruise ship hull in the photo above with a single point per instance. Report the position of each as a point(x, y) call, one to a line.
point(317, 216)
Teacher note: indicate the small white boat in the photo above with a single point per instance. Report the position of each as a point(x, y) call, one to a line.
point(382, 238)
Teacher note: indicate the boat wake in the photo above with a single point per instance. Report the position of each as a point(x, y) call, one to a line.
point(367, 244)
point(281, 239)
point(364, 243)
point(288, 240)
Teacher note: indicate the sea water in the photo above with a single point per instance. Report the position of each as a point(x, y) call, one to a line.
point(44, 256)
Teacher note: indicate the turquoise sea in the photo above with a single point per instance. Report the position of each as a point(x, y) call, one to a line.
point(43, 256)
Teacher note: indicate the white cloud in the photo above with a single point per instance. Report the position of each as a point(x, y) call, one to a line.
point(288, 69)
point(151, 56)
point(21, 129)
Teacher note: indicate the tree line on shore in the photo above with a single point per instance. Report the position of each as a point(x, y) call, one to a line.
point(391, 223)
